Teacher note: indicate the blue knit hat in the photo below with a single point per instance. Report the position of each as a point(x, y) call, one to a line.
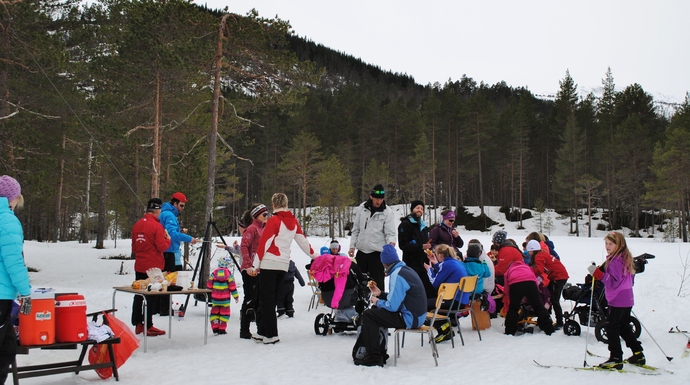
point(224, 261)
point(324, 250)
point(388, 255)
point(499, 237)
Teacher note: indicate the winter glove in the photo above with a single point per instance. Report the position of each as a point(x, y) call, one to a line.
point(25, 307)
point(595, 271)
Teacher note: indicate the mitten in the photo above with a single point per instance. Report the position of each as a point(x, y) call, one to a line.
point(591, 269)
point(25, 307)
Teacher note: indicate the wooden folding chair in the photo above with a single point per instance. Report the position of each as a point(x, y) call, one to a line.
point(467, 285)
point(445, 292)
point(315, 292)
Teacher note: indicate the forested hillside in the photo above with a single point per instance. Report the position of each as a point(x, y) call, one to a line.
point(103, 106)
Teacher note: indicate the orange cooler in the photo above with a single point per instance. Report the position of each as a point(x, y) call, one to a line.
point(70, 318)
point(38, 327)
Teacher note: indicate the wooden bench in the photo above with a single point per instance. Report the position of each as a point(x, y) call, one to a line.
point(19, 372)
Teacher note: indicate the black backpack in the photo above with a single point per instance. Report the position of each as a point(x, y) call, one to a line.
point(359, 350)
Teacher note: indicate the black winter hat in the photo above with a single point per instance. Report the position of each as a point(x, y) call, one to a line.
point(378, 191)
point(473, 250)
point(154, 204)
point(416, 203)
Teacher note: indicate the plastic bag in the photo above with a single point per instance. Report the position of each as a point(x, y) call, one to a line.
point(128, 344)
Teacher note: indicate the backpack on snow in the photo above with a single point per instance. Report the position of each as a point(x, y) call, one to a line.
point(359, 350)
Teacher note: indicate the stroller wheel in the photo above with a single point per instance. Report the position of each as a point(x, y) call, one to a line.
point(321, 324)
point(571, 328)
point(600, 332)
point(600, 329)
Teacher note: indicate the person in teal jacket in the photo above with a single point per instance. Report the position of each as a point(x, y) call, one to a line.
point(173, 257)
point(14, 276)
point(475, 266)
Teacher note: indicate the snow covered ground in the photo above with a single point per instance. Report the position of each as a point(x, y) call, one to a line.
point(304, 357)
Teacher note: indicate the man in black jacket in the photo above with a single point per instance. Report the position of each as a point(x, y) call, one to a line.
point(413, 238)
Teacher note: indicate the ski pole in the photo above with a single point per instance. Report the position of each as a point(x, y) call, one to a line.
point(652, 337)
point(589, 318)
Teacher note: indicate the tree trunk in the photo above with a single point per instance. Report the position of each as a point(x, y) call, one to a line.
point(86, 216)
point(102, 214)
point(156, 158)
point(58, 200)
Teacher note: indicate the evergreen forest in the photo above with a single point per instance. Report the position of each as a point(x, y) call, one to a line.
point(106, 104)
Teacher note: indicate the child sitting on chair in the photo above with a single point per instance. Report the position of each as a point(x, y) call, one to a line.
point(222, 285)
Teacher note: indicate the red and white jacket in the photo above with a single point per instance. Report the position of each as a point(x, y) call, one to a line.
point(274, 246)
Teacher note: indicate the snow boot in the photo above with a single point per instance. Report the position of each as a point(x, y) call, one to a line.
point(637, 359)
point(612, 363)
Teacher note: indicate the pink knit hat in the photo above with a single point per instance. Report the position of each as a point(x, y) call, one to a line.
point(9, 188)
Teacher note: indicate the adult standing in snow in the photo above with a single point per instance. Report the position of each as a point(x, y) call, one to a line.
point(404, 306)
point(616, 273)
point(14, 276)
point(374, 226)
point(445, 233)
point(273, 262)
point(149, 241)
point(413, 238)
point(248, 247)
point(173, 257)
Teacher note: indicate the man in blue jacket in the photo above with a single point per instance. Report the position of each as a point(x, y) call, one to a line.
point(404, 306)
point(173, 256)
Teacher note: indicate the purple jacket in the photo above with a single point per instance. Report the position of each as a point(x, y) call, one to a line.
point(618, 282)
point(442, 234)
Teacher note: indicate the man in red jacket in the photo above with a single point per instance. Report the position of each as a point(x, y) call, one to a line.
point(149, 241)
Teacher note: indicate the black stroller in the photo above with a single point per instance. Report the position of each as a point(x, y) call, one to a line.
point(581, 293)
point(355, 299)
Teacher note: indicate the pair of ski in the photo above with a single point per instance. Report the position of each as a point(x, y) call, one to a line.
point(686, 353)
point(647, 370)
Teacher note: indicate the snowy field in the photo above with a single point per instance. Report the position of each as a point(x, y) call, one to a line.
point(302, 357)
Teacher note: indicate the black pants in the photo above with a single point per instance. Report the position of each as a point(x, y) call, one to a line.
point(372, 320)
point(286, 298)
point(170, 266)
point(617, 327)
point(138, 305)
point(370, 263)
point(270, 282)
point(248, 303)
point(529, 290)
point(556, 288)
point(8, 339)
point(429, 289)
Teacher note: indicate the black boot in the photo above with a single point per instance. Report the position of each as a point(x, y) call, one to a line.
point(637, 359)
point(612, 363)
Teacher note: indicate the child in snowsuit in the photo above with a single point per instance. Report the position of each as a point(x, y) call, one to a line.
point(222, 285)
point(285, 297)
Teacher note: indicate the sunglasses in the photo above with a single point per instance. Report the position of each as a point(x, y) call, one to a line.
point(266, 215)
point(451, 220)
point(181, 205)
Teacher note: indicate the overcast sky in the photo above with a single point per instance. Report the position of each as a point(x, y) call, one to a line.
point(524, 43)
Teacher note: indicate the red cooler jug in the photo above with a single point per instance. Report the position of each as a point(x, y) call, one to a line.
point(70, 318)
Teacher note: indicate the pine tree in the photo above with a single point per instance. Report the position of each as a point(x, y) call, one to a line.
point(569, 168)
point(300, 165)
point(335, 193)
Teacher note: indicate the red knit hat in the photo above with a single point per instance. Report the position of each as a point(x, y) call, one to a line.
point(180, 197)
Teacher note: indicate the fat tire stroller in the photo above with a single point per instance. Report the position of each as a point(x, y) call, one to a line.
point(356, 299)
point(581, 293)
